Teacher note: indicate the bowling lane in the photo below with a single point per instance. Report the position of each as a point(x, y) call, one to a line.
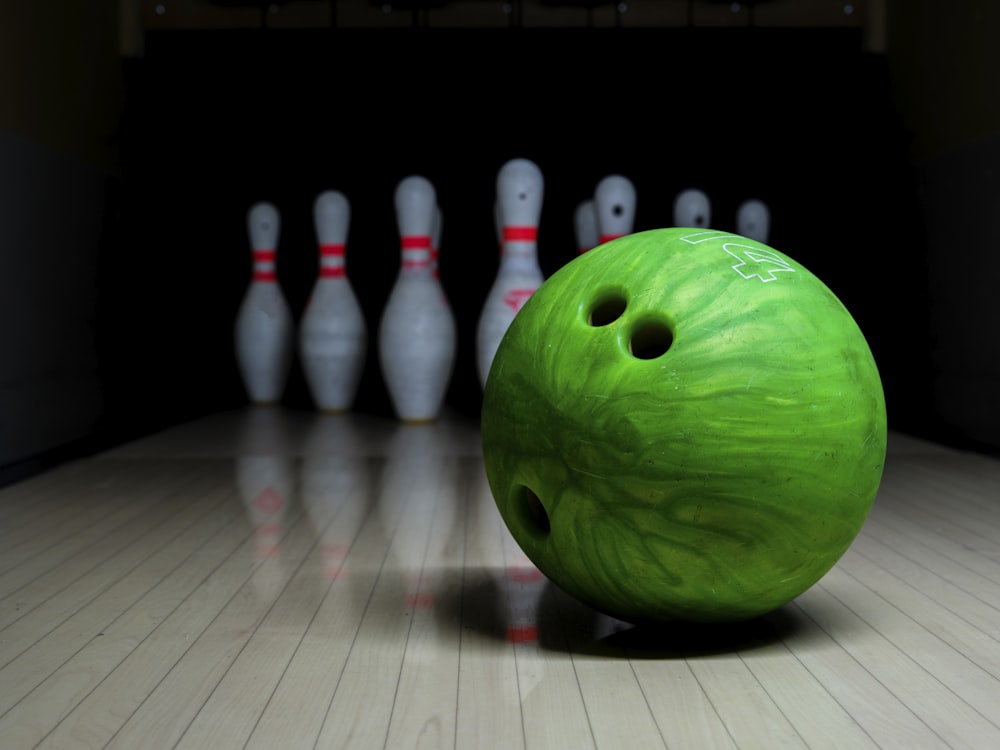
point(270, 577)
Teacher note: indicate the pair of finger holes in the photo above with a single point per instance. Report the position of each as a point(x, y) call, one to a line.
point(648, 339)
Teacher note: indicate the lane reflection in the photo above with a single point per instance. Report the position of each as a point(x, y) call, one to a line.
point(266, 486)
point(518, 583)
point(335, 488)
point(417, 507)
point(409, 507)
point(264, 475)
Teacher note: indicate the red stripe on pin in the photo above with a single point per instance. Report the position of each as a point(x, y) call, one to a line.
point(265, 276)
point(416, 241)
point(332, 272)
point(515, 298)
point(332, 248)
point(520, 234)
point(263, 256)
point(609, 237)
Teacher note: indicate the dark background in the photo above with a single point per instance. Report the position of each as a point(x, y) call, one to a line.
point(216, 120)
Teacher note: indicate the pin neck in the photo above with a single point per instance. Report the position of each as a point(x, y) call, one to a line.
point(331, 249)
point(331, 260)
point(519, 241)
point(518, 262)
point(265, 265)
point(519, 250)
point(416, 252)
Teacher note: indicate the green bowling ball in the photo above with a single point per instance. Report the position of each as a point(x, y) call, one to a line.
point(684, 425)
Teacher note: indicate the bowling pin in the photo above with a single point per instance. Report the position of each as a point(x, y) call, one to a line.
point(520, 188)
point(333, 335)
point(264, 330)
point(585, 226)
point(417, 333)
point(692, 208)
point(614, 207)
point(753, 220)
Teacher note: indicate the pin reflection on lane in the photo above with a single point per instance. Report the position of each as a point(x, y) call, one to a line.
point(264, 475)
point(417, 507)
point(336, 490)
point(266, 485)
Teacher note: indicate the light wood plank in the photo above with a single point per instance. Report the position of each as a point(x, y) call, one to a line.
point(361, 709)
point(909, 557)
point(970, 622)
point(935, 643)
point(353, 548)
point(611, 691)
point(217, 621)
point(110, 520)
point(251, 680)
point(879, 713)
point(967, 547)
point(489, 706)
point(546, 679)
point(948, 715)
point(99, 571)
point(742, 703)
point(424, 713)
point(816, 717)
point(49, 679)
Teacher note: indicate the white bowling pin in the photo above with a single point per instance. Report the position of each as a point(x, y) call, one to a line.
point(333, 335)
point(585, 226)
point(520, 189)
point(264, 330)
point(417, 333)
point(614, 207)
point(753, 220)
point(692, 208)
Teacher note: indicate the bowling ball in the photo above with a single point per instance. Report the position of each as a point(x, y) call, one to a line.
point(684, 425)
